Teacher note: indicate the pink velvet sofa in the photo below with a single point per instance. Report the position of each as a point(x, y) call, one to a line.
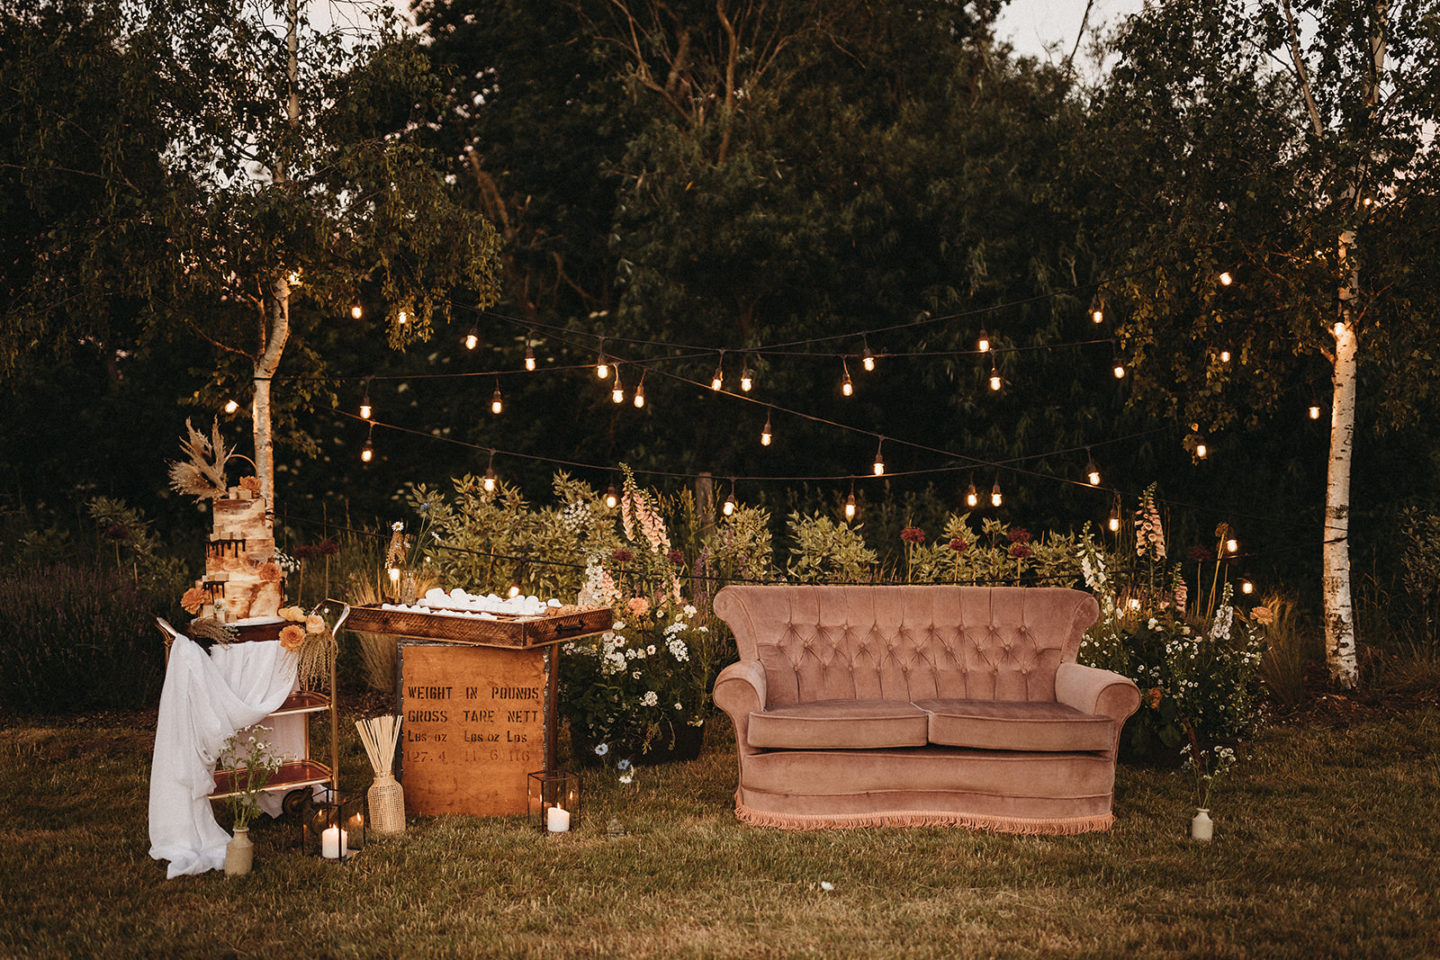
point(917, 705)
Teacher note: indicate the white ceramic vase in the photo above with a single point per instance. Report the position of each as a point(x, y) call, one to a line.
point(239, 853)
point(1202, 827)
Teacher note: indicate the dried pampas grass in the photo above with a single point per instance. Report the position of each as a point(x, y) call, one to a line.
point(202, 475)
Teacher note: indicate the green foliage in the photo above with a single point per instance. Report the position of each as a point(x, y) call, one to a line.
point(255, 764)
point(77, 639)
point(136, 549)
point(827, 551)
point(1420, 579)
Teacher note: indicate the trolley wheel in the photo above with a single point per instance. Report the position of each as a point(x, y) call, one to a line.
point(295, 801)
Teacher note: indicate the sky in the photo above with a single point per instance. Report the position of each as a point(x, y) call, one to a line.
point(1035, 25)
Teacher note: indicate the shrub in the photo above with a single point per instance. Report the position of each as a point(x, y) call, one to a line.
point(77, 639)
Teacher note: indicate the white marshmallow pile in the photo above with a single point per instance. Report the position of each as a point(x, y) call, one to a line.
point(458, 603)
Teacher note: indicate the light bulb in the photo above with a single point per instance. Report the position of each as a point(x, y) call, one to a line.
point(472, 340)
point(984, 343)
point(995, 382)
point(1246, 587)
point(1225, 278)
point(617, 392)
point(995, 496)
point(1232, 545)
point(394, 574)
point(847, 387)
point(496, 404)
point(640, 395)
point(746, 381)
point(489, 481)
point(1314, 411)
point(972, 497)
point(729, 507)
point(1201, 450)
point(1119, 371)
point(850, 507)
point(1224, 356)
point(367, 452)
point(867, 360)
point(1097, 315)
point(611, 497)
point(514, 591)
point(879, 464)
point(231, 405)
point(602, 366)
point(765, 436)
point(1114, 522)
point(529, 358)
point(403, 317)
point(1093, 475)
point(365, 409)
point(356, 312)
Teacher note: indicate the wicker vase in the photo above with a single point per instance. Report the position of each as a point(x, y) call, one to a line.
point(239, 853)
point(387, 804)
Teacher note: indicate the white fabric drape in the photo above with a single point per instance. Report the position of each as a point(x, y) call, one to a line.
point(206, 698)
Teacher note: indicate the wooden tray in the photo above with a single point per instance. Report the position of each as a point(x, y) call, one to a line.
point(291, 776)
point(504, 631)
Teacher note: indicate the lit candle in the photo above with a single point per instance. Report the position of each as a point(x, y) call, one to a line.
point(334, 843)
point(557, 819)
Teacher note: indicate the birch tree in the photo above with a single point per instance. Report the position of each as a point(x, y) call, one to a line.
point(1275, 186)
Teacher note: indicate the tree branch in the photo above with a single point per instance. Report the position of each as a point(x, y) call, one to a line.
point(1303, 73)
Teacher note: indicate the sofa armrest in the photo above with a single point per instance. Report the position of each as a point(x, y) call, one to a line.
point(1095, 691)
point(739, 691)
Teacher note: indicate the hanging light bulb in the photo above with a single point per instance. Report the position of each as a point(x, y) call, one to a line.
point(847, 386)
point(850, 506)
point(472, 339)
point(1118, 370)
point(1092, 472)
point(402, 317)
point(529, 358)
point(640, 392)
point(496, 404)
point(602, 365)
point(1225, 278)
point(879, 466)
point(231, 405)
point(611, 497)
point(1314, 411)
point(867, 359)
point(1097, 315)
point(489, 481)
point(1232, 545)
point(717, 379)
point(746, 381)
point(730, 503)
point(617, 392)
point(367, 452)
point(1246, 586)
point(365, 408)
point(1224, 356)
point(983, 345)
point(1114, 520)
point(996, 498)
point(356, 311)
point(1202, 450)
point(995, 382)
point(765, 434)
point(972, 496)
point(514, 590)
point(394, 573)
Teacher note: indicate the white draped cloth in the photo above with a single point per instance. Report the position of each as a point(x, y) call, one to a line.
point(206, 698)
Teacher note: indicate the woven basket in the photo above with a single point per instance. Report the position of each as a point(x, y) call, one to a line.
point(387, 804)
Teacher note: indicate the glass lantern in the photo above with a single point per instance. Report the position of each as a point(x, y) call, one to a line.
point(334, 826)
point(554, 797)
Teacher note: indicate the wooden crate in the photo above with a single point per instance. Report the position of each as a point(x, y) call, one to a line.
point(478, 719)
point(504, 631)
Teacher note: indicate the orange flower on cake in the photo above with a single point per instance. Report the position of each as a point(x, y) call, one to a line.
point(314, 623)
point(291, 636)
point(251, 483)
point(193, 600)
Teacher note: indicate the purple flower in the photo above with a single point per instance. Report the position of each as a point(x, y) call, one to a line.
point(912, 535)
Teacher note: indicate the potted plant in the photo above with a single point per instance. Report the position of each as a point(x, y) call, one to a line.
point(253, 765)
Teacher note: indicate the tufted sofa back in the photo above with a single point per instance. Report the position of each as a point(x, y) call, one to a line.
point(906, 642)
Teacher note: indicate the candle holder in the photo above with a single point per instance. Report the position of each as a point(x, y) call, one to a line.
point(554, 797)
point(333, 826)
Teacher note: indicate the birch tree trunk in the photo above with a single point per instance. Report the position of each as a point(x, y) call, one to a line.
point(1335, 552)
point(265, 367)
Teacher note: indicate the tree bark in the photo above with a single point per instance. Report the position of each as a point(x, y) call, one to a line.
point(1335, 576)
point(265, 367)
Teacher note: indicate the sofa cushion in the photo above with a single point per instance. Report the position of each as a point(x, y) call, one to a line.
point(839, 724)
point(1016, 725)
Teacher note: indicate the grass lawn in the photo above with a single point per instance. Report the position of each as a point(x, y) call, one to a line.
point(1325, 846)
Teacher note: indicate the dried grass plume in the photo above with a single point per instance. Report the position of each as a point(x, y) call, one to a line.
point(202, 474)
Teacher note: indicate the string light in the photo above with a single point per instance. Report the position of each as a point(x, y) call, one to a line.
point(489, 481)
point(1202, 450)
point(1114, 520)
point(394, 573)
point(640, 391)
point(765, 434)
point(1314, 411)
point(1225, 278)
point(617, 392)
point(1118, 370)
point(867, 359)
point(472, 339)
point(365, 408)
point(983, 345)
point(402, 317)
point(879, 466)
point(496, 404)
point(1232, 545)
point(514, 590)
point(850, 504)
point(356, 311)
point(1097, 315)
point(847, 387)
point(972, 496)
point(717, 379)
point(746, 381)
point(611, 497)
point(996, 498)
point(367, 452)
point(995, 382)
point(1092, 472)
point(529, 356)
point(602, 366)
point(730, 503)
point(1246, 586)
point(231, 405)
point(1224, 356)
